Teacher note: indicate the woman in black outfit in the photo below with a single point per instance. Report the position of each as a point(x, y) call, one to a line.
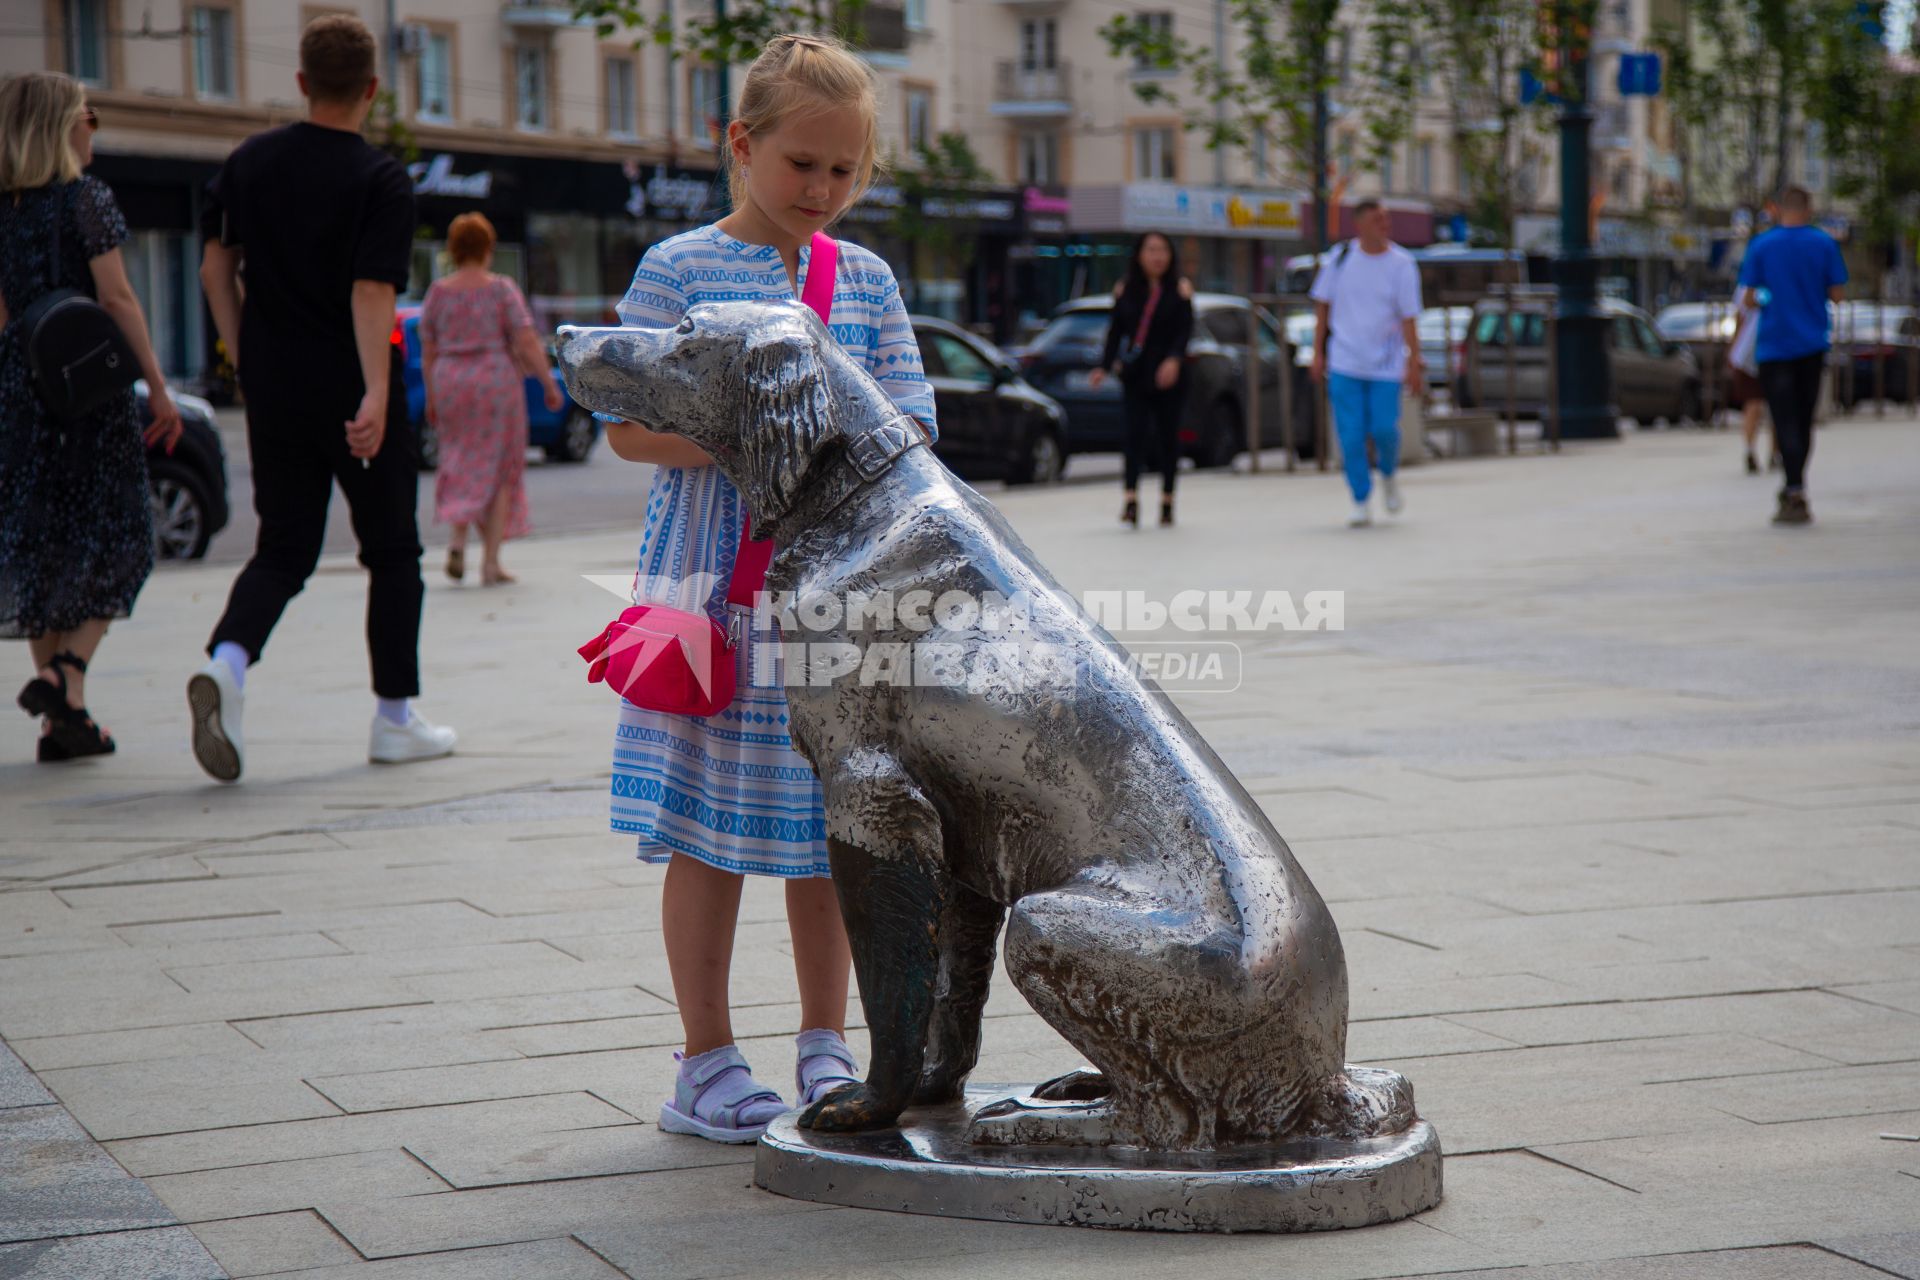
point(1147, 347)
point(76, 536)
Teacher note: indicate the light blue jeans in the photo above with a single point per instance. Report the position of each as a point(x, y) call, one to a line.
point(1363, 409)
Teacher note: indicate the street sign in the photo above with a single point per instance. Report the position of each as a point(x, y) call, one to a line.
point(1639, 75)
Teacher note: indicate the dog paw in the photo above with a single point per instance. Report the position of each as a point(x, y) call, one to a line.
point(1075, 1086)
point(938, 1089)
point(852, 1109)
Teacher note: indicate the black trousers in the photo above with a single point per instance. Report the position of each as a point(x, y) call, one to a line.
point(1792, 389)
point(297, 458)
point(1153, 432)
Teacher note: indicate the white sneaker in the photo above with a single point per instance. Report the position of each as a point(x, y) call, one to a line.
point(1362, 515)
point(417, 739)
point(214, 697)
point(1390, 486)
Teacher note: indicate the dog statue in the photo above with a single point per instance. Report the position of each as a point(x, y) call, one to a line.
point(1153, 915)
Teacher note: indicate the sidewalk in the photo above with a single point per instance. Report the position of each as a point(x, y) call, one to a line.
point(1614, 791)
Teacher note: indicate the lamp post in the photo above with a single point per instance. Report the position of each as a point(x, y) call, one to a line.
point(1585, 391)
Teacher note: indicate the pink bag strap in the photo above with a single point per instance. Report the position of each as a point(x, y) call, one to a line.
point(750, 565)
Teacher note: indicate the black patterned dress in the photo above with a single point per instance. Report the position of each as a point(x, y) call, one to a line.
point(76, 535)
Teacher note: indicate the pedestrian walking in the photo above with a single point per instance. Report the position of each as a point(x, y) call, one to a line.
point(320, 226)
point(76, 534)
point(1743, 386)
point(1366, 346)
point(1791, 273)
point(1146, 349)
point(477, 345)
point(721, 796)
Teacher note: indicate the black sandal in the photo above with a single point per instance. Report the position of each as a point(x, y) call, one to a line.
point(71, 733)
point(1166, 511)
point(1130, 514)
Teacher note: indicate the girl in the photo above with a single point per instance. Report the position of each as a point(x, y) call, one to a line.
point(1146, 340)
point(724, 795)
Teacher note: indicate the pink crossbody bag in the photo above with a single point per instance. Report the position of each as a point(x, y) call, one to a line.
point(680, 662)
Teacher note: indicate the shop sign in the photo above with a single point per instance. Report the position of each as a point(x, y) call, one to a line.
point(666, 195)
point(1616, 238)
point(1047, 212)
point(978, 208)
point(436, 177)
point(1165, 206)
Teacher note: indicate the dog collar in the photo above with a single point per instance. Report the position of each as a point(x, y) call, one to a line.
point(866, 458)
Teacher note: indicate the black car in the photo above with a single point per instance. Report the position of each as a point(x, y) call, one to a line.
point(1061, 359)
point(993, 424)
point(187, 488)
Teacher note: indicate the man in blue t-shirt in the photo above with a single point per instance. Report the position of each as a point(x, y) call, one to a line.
point(1791, 273)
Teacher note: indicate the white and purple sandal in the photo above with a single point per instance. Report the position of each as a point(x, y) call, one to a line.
point(825, 1064)
point(716, 1097)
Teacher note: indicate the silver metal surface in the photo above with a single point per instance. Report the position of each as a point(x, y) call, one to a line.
point(928, 1166)
point(1152, 913)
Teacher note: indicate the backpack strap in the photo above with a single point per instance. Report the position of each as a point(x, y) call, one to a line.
point(750, 564)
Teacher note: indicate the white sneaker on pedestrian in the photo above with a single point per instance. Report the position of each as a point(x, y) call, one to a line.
point(1391, 488)
point(1362, 515)
point(417, 739)
point(214, 697)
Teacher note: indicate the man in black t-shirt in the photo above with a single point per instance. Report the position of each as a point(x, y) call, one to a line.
point(308, 237)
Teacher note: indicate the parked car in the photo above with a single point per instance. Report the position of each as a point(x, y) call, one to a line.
point(1214, 429)
point(567, 434)
point(993, 424)
point(1653, 377)
point(1441, 329)
point(186, 489)
point(1876, 347)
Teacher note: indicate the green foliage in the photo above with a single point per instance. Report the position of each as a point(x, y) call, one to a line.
point(735, 36)
point(387, 128)
point(946, 170)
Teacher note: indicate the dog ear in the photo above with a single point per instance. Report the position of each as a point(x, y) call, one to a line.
point(790, 418)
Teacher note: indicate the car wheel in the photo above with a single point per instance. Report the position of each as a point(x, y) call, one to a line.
point(1222, 438)
point(1041, 461)
point(429, 448)
point(182, 526)
point(576, 439)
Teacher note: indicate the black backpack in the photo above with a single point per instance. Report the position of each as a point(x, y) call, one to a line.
point(75, 350)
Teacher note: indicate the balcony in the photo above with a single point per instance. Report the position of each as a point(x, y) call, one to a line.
point(537, 15)
point(1032, 92)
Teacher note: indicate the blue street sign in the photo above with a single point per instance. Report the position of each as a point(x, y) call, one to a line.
point(1530, 87)
point(1639, 75)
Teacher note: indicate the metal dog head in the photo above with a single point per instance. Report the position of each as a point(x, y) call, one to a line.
point(746, 381)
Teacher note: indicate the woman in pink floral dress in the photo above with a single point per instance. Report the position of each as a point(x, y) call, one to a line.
point(477, 343)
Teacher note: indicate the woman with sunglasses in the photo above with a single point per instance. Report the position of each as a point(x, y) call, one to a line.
point(76, 535)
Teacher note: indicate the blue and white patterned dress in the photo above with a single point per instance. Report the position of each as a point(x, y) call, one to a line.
point(729, 789)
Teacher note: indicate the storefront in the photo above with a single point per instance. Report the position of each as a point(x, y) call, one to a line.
point(948, 250)
point(162, 198)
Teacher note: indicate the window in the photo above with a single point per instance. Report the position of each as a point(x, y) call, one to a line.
point(703, 102)
point(622, 105)
point(1814, 170)
point(1159, 29)
point(1153, 155)
point(916, 15)
point(530, 86)
point(919, 119)
point(962, 362)
point(1423, 167)
point(1039, 44)
point(1039, 159)
point(1343, 56)
point(435, 73)
point(86, 28)
point(1260, 158)
point(212, 52)
point(1386, 170)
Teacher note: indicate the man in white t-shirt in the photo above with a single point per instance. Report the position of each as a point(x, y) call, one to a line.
point(1368, 295)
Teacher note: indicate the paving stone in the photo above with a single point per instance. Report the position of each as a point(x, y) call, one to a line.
point(127, 1100)
point(544, 1259)
point(292, 1184)
point(166, 1253)
point(601, 1073)
point(56, 1181)
point(378, 1131)
point(1896, 1252)
point(1791, 1262)
point(274, 1242)
point(18, 1086)
point(580, 1153)
point(149, 1044)
point(1811, 1095)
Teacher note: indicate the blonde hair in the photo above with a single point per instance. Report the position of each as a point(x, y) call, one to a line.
point(800, 74)
point(37, 113)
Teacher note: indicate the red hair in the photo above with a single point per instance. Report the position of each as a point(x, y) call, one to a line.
point(470, 239)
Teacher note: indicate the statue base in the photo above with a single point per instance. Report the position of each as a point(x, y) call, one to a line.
point(929, 1165)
